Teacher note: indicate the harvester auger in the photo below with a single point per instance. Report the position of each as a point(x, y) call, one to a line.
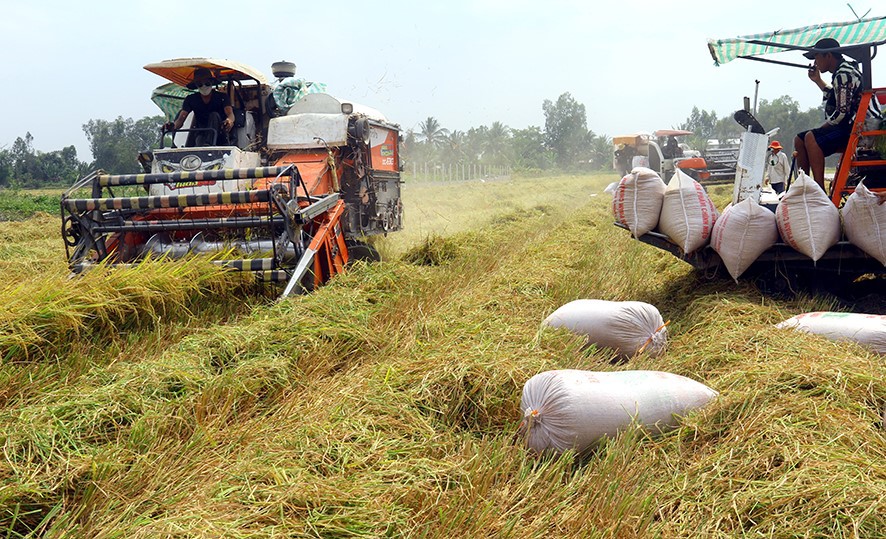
point(303, 180)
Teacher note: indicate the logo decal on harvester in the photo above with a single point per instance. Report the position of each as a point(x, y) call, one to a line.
point(387, 150)
point(190, 162)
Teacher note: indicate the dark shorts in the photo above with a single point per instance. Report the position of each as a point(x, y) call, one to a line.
point(830, 138)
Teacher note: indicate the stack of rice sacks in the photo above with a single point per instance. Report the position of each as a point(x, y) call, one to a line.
point(637, 200)
point(864, 222)
point(687, 213)
point(807, 220)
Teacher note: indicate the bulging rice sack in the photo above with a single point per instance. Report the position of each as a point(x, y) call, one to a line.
point(627, 327)
point(742, 233)
point(687, 213)
point(864, 222)
point(868, 330)
point(807, 219)
point(574, 409)
point(637, 200)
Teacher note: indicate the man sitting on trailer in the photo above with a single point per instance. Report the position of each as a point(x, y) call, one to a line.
point(840, 99)
point(209, 107)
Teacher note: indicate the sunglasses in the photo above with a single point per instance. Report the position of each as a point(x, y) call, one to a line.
point(202, 84)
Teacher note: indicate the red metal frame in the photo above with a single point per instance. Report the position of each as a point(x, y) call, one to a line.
point(839, 189)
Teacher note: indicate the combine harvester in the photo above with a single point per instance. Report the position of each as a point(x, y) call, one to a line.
point(781, 269)
point(660, 152)
point(303, 180)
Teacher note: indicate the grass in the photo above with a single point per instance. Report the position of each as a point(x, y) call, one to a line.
point(17, 204)
point(174, 401)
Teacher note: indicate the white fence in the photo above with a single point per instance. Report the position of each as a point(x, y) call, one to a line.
point(458, 172)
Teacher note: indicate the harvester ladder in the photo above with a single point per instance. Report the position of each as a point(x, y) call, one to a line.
point(840, 187)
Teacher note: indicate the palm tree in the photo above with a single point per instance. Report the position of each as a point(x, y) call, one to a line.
point(454, 147)
point(497, 142)
point(431, 132)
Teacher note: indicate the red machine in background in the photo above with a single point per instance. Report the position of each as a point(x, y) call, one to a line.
point(661, 151)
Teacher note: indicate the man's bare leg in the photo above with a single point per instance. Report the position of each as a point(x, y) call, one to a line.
point(800, 154)
point(815, 159)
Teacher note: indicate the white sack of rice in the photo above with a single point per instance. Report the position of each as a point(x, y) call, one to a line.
point(864, 222)
point(627, 327)
point(742, 233)
point(687, 213)
point(637, 200)
point(807, 219)
point(574, 409)
point(868, 330)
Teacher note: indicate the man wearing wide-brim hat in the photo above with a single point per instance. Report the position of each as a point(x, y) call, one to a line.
point(777, 167)
point(209, 107)
point(840, 99)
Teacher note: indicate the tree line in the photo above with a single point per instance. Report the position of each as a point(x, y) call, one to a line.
point(114, 145)
point(564, 143)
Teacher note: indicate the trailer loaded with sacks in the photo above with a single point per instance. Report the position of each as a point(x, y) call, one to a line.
point(292, 193)
point(803, 238)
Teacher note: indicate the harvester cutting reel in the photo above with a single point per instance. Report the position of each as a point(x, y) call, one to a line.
point(279, 231)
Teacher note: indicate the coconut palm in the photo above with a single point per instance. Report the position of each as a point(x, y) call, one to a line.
point(497, 144)
point(432, 133)
point(454, 147)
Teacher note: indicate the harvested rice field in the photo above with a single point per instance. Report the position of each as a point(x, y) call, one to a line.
point(176, 400)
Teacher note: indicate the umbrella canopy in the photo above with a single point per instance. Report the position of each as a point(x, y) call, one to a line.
point(671, 132)
point(181, 70)
point(860, 32)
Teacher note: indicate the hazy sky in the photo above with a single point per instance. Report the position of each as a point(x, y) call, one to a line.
point(636, 65)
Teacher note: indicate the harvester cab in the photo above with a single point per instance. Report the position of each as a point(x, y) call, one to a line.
point(662, 151)
point(667, 154)
point(303, 180)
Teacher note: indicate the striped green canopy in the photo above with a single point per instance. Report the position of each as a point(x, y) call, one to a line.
point(862, 31)
point(169, 98)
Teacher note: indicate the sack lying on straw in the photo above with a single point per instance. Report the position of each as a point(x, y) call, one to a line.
point(868, 330)
point(628, 327)
point(573, 409)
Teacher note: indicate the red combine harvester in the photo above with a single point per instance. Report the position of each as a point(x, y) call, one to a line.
point(662, 152)
point(301, 182)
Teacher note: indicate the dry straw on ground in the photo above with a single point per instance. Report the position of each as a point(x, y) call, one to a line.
point(386, 403)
